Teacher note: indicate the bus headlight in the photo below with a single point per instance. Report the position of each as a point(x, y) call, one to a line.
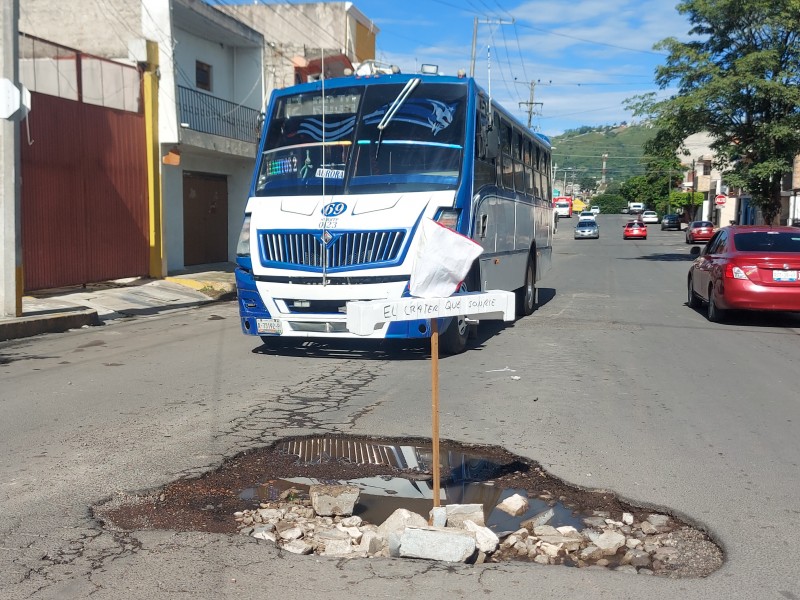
point(243, 245)
point(448, 217)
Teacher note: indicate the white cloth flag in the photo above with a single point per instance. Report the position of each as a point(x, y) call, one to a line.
point(443, 260)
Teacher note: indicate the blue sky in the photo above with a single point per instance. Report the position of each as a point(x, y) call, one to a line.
point(586, 56)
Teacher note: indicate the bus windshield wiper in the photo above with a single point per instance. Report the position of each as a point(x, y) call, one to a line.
point(393, 108)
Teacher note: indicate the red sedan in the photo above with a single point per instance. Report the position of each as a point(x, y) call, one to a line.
point(634, 229)
point(699, 231)
point(746, 267)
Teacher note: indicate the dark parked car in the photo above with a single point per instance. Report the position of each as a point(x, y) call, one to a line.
point(747, 267)
point(671, 222)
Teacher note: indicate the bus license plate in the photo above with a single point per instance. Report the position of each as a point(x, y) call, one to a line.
point(784, 275)
point(272, 326)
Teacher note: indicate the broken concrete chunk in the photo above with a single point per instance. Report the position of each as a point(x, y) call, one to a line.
point(609, 542)
point(514, 505)
point(399, 520)
point(437, 543)
point(337, 548)
point(485, 538)
point(438, 516)
point(333, 500)
point(458, 513)
point(539, 519)
point(298, 547)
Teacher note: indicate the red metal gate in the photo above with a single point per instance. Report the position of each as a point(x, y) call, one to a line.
point(84, 191)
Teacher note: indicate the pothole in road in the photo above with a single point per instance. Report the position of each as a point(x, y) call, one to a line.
point(264, 491)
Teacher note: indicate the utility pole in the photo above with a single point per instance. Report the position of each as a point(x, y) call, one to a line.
point(530, 104)
point(10, 225)
point(603, 176)
point(475, 37)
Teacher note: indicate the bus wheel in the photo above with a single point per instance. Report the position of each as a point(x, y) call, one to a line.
point(526, 295)
point(454, 339)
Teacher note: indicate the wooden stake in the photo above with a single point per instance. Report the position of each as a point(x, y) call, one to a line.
point(435, 408)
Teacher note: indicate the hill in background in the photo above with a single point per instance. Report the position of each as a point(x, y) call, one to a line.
point(578, 153)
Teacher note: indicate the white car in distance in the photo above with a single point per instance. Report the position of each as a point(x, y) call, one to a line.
point(586, 216)
point(650, 216)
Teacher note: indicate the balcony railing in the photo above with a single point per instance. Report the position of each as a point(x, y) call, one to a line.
point(208, 114)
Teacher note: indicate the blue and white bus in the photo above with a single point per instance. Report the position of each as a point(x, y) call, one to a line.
point(346, 170)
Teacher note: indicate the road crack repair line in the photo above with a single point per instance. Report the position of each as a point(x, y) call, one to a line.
point(327, 402)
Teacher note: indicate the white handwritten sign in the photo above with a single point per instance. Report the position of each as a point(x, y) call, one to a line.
point(363, 317)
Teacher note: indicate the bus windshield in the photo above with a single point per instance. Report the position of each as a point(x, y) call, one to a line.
point(420, 148)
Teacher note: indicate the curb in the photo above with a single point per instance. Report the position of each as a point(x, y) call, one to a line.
point(22, 327)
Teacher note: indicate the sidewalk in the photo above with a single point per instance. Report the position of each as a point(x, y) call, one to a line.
point(57, 310)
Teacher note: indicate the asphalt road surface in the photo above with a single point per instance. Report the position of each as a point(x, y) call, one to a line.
point(621, 386)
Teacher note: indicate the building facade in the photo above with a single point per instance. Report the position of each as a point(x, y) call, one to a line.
point(210, 95)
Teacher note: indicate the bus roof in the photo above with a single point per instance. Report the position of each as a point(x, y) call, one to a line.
point(397, 78)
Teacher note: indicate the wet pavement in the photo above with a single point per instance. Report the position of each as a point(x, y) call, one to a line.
point(73, 307)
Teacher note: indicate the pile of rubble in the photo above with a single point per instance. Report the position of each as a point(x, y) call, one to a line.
point(322, 523)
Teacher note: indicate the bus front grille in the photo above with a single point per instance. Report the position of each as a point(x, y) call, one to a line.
point(344, 249)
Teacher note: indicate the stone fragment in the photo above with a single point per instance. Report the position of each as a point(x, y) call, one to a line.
point(541, 559)
point(333, 500)
point(627, 518)
point(545, 530)
point(393, 543)
point(550, 549)
point(485, 538)
point(594, 521)
point(568, 530)
point(522, 534)
point(562, 541)
point(268, 536)
point(354, 521)
point(288, 531)
point(353, 532)
point(326, 535)
point(609, 542)
point(337, 548)
point(399, 520)
point(632, 543)
point(649, 528)
point(298, 547)
point(371, 542)
point(438, 516)
point(514, 505)
point(437, 543)
point(640, 559)
point(658, 521)
point(538, 519)
point(458, 513)
point(270, 513)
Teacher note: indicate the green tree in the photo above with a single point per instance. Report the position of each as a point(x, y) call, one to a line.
point(637, 189)
point(739, 80)
point(687, 202)
point(587, 182)
point(609, 203)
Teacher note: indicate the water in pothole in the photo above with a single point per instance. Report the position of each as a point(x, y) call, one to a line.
point(465, 479)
